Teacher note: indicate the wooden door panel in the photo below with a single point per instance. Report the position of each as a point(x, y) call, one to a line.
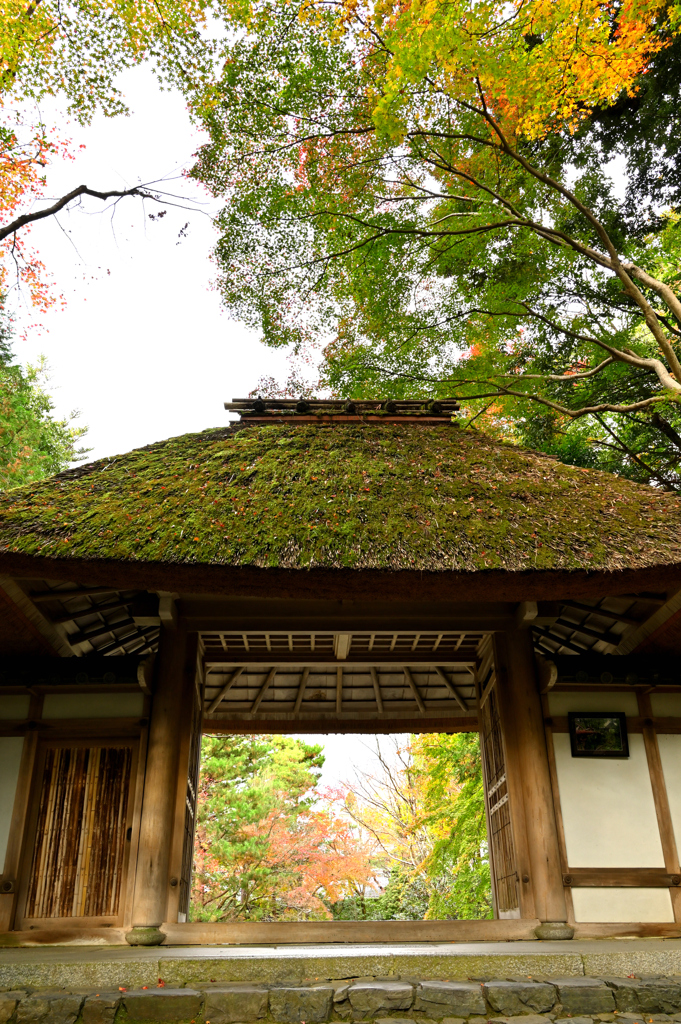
point(79, 851)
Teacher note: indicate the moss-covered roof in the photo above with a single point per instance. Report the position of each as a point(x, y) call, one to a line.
point(360, 497)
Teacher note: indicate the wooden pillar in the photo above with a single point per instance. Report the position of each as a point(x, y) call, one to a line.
point(529, 782)
point(167, 727)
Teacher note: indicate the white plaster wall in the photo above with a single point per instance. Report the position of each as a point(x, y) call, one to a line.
point(14, 706)
point(10, 759)
point(613, 905)
point(561, 703)
point(670, 755)
point(666, 705)
point(608, 810)
point(93, 705)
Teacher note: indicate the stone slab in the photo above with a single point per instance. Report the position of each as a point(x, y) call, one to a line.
point(450, 997)
point(292, 1004)
point(520, 997)
point(100, 1008)
point(49, 1008)
point(529, 1018)
point(584, 995)
point(98, 968)
point(229, 1004)
point(369, 997)
point(164, 1005)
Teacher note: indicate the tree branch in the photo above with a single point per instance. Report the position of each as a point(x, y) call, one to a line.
point(662, 424)
point(50, 211)
point(634, 457)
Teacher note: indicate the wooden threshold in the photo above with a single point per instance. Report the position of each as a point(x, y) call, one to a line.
point(306, 932)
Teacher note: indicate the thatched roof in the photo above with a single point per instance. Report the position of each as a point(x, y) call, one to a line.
point(393, 497)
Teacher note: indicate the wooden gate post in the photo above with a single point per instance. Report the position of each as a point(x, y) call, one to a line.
point(529, 778)
point(176, 667)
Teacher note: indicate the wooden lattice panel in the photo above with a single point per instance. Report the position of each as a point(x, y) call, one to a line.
point(78, 857)
point(499, 827)
point(454, 647)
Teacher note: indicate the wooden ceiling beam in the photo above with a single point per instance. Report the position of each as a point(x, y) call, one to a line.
point(225, 689)
point(301, 690)
point(615, 616)
point(92, 610)
point(362, 660)
point(452, 689)
point(66, 595)
point(414, 688)
point(377, 689)
point(259, 615)
point(561, 641)
point(104, 628)
point(612, 639)
point(262, 691)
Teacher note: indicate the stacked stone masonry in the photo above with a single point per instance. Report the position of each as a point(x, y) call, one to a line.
point(394, 1000)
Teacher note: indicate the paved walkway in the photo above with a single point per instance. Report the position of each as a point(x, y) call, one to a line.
point(112, 966)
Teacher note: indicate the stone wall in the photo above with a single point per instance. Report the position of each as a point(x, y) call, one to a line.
point(393, 1000)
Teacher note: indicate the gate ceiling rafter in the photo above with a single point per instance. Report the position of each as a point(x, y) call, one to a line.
point(338, 679)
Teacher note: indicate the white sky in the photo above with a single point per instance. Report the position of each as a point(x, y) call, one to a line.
point(345, 753)
point(142, 348)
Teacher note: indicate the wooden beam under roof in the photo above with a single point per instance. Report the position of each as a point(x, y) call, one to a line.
point(452, 689)
point(263, 690)
point(301, 690)
point(225, 689)
point(259, 615)
point(603, 612)
point(67, 595)
point(377, 689)
point(414, 688)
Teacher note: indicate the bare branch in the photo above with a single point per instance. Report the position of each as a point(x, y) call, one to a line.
point(50, 211)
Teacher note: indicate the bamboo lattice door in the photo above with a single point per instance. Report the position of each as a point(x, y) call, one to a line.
point(79, 850)
point(499, 827)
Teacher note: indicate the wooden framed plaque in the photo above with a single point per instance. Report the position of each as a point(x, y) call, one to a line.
point(598, 734)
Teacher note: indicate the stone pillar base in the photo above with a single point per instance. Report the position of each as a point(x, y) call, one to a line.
point(554, 930)
point(144, 936)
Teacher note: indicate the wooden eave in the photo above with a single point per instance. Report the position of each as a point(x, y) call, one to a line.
point(345, 584)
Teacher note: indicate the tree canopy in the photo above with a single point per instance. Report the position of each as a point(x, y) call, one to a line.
point(406, 840)
point(429, 189)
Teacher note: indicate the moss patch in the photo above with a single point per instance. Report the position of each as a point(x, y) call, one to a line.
point(384, 497)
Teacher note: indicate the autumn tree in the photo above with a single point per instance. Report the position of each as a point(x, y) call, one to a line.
point(269, 847)
point(425, 187)
point(386, 802)
point(422, 801)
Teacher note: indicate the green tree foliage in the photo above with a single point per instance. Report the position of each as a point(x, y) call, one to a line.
point(408, 187)
point(406, 897)
point(459, 862)
point(33, 444)
point(78, 48)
